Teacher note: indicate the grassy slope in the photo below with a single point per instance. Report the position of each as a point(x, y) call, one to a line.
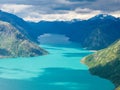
point(106, 63)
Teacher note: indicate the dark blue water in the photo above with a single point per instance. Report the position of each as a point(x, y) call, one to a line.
point(60, 70)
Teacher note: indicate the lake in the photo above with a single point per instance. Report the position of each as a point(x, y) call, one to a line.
point(59, 70)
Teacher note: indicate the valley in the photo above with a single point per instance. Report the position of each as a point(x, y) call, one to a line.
point(47, 55)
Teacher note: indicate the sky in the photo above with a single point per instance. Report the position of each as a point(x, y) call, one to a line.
point(62, 10)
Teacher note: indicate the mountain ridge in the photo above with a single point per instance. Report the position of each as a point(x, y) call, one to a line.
point(106, 63)
point(79, 31)
point(82, 31)
point(15, 44)
point(17, 22)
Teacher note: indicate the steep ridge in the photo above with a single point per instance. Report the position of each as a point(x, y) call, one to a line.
point(18, 23)
point(106, 63)
point(13, 43)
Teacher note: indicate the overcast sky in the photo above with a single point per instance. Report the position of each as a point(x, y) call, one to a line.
point(36, 10)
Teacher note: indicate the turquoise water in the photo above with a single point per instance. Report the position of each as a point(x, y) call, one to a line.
point(59, 70)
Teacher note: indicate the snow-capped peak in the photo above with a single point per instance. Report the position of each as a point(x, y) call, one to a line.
point(103, 16)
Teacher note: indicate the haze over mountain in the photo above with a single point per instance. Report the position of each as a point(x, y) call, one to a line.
point(106, 63)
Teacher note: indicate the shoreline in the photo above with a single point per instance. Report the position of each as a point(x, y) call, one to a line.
point(82, 61)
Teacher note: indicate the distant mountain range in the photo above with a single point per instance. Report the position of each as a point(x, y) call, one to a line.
point(95, 33)
point(106, 63)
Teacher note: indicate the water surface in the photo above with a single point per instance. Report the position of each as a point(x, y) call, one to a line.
point(60, 70)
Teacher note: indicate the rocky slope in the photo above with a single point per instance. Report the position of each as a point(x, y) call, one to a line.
point(106, 63)
point(18, 23)
point(13, 43)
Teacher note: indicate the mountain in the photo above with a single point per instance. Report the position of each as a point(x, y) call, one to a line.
point(106, 63)
point(103, 17)
point(13, 43)
point(95, 33)
point(105, 29)
point(18, 23)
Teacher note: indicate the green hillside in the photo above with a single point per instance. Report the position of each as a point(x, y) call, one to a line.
point(106, 63)
point(14, 43)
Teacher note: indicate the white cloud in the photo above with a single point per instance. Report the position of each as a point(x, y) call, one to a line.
point(33, 13)
point(115, 13)
point(14, 8)
point(66, 16)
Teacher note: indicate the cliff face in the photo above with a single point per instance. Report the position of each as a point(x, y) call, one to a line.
point(13, 43)
point(106, 63)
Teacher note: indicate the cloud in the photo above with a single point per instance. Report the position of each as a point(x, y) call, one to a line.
point(111, 5)
point(115, 13)
point(65, 15)
point(36, 10)
point(32, 13)
point(14, 8)
point(81, 0)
